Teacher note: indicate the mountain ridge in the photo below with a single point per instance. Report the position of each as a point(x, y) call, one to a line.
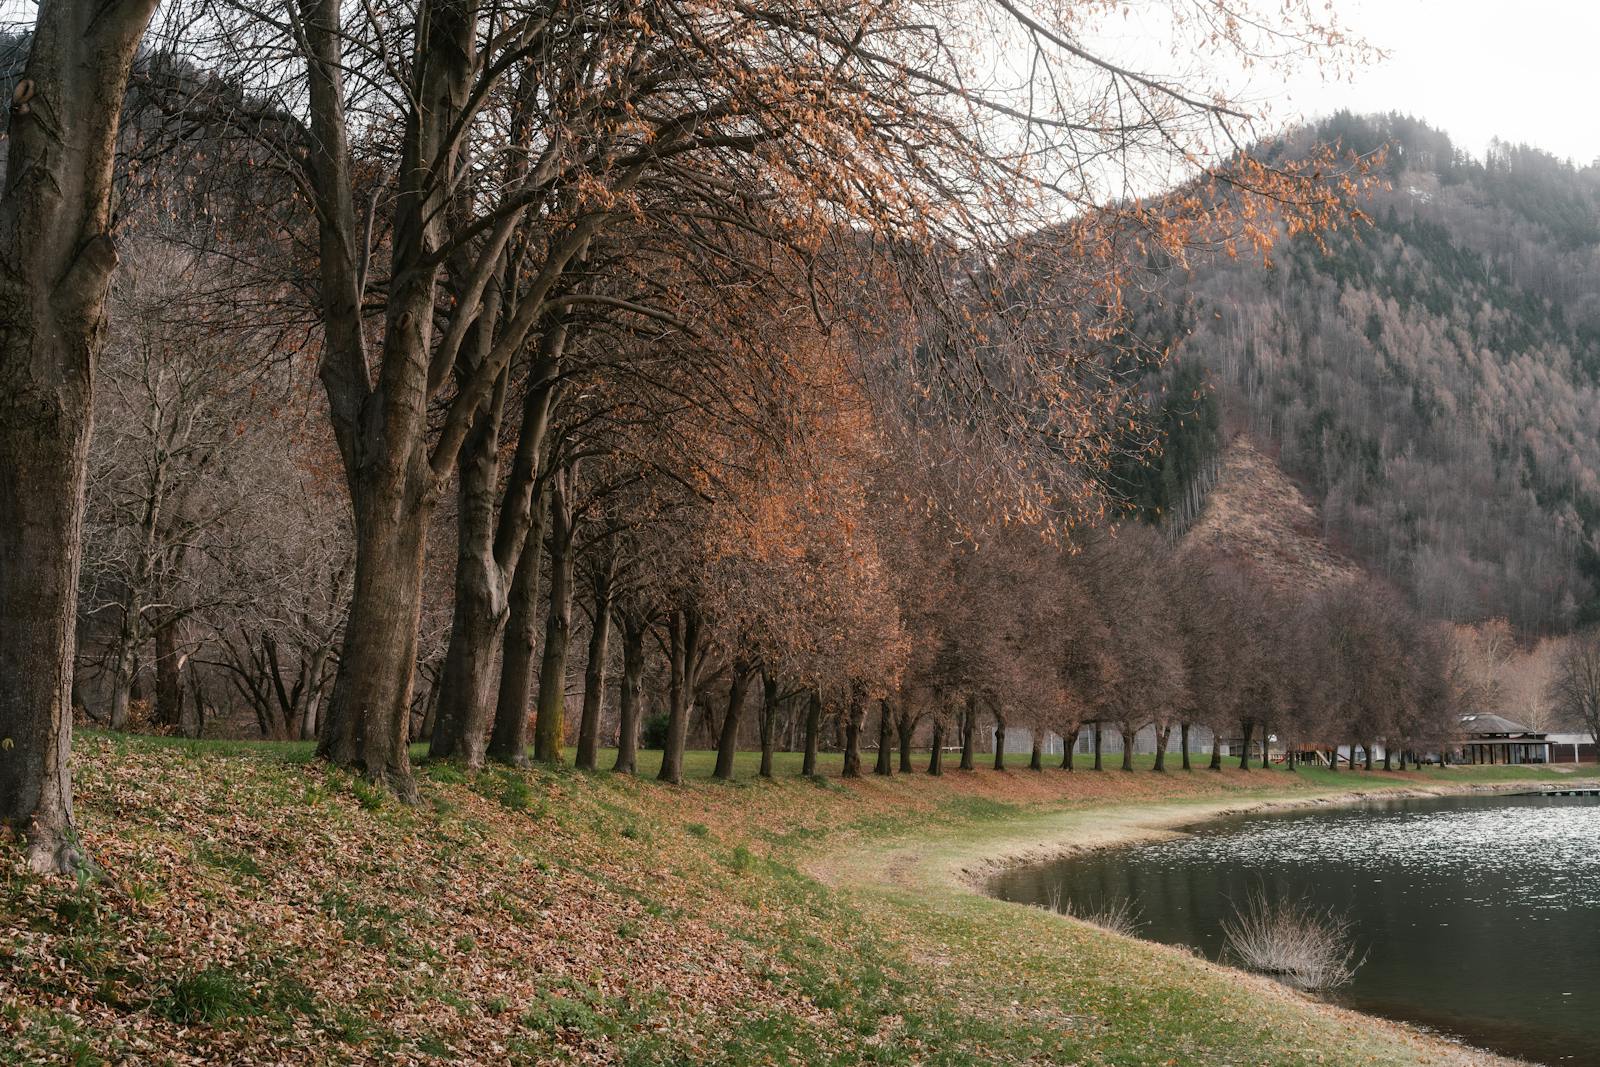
point(1432, 379)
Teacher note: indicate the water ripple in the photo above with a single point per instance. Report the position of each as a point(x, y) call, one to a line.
point(1545, 853)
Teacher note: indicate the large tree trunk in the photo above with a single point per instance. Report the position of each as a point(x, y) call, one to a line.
point(1099, 763)
point(633, 633)
point(478, 618)
point(379, 403)
point(906, 727)
point(808, 763)
point(769, 719)
point(1183, 742)
point(1163, 735)
point(169, 675)
point(1036, 758)
point(1069, 741)
point(550, 724)
point(885, 763)
point(122, 671)
point(369, 718)
point(855, 715)
point(1216, 751)
point(1266, 746)
point(999, 742)
point(594, 669)
point(728, 738)
point(969, 730)
point(1244, 750)
point(684, 645)
point(509, 741)
point(1128, 737)
point(489, 545)
point(936, 757)
point(56, 259)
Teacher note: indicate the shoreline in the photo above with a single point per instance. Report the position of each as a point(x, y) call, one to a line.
point(966, 863)
point(1165, 825)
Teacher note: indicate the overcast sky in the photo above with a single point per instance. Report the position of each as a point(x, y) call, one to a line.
point(1521, 70)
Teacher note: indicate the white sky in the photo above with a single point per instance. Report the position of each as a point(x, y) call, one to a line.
point(1525, 71)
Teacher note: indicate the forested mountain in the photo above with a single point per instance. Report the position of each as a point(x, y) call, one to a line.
point(1431, 379)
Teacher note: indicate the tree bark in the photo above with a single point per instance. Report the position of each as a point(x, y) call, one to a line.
point(855, 716)
point(1266, 746)
point(56, 259)
point(489, 547)
point(480, 607)
point(594, 669)
point(906, 727)
point(808, 765)
point(684, 642)
point(1069, 741)
point(316, 682)
point(369, 720)
point(381, 421)
point(1036, 759)
point(1244, 750)
point(633, 632)
point(508, 743)
point(999, 742)
point(1099, 763)
point(1183, 742)
point(936, 757)
point(728, 736)
point(1127, 747)
point(885, 763)
point(122, 669)
point(550, 726)
point(969, 728)
point(1163, 735)
point(769, 720)
point(194, 719)
point(169, 675)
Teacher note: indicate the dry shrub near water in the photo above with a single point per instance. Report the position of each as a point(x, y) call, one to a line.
point(1119, 918)
point(1294, 941)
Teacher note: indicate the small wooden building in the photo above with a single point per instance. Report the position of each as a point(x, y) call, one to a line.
point(1490, 738)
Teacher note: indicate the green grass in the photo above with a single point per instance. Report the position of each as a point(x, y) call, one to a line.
point(699, 763)
point(211, 995)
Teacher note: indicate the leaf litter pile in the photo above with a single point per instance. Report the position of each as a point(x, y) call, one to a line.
point(254, 911)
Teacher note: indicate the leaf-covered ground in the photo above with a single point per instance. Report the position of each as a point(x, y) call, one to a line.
point(254, 907)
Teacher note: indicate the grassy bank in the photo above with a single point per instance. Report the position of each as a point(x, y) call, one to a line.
point(256, 907)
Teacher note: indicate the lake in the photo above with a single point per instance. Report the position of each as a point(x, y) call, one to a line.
point(1479, 916)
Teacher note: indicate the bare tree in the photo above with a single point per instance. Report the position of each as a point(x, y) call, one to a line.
point(1575, 690)
point(57, 253)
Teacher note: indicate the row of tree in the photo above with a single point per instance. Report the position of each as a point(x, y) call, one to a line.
point(744, 327)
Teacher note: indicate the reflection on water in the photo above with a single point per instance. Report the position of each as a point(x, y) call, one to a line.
point(1480, 916)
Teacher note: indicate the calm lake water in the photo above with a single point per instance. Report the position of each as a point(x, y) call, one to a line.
point(1480, 916)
